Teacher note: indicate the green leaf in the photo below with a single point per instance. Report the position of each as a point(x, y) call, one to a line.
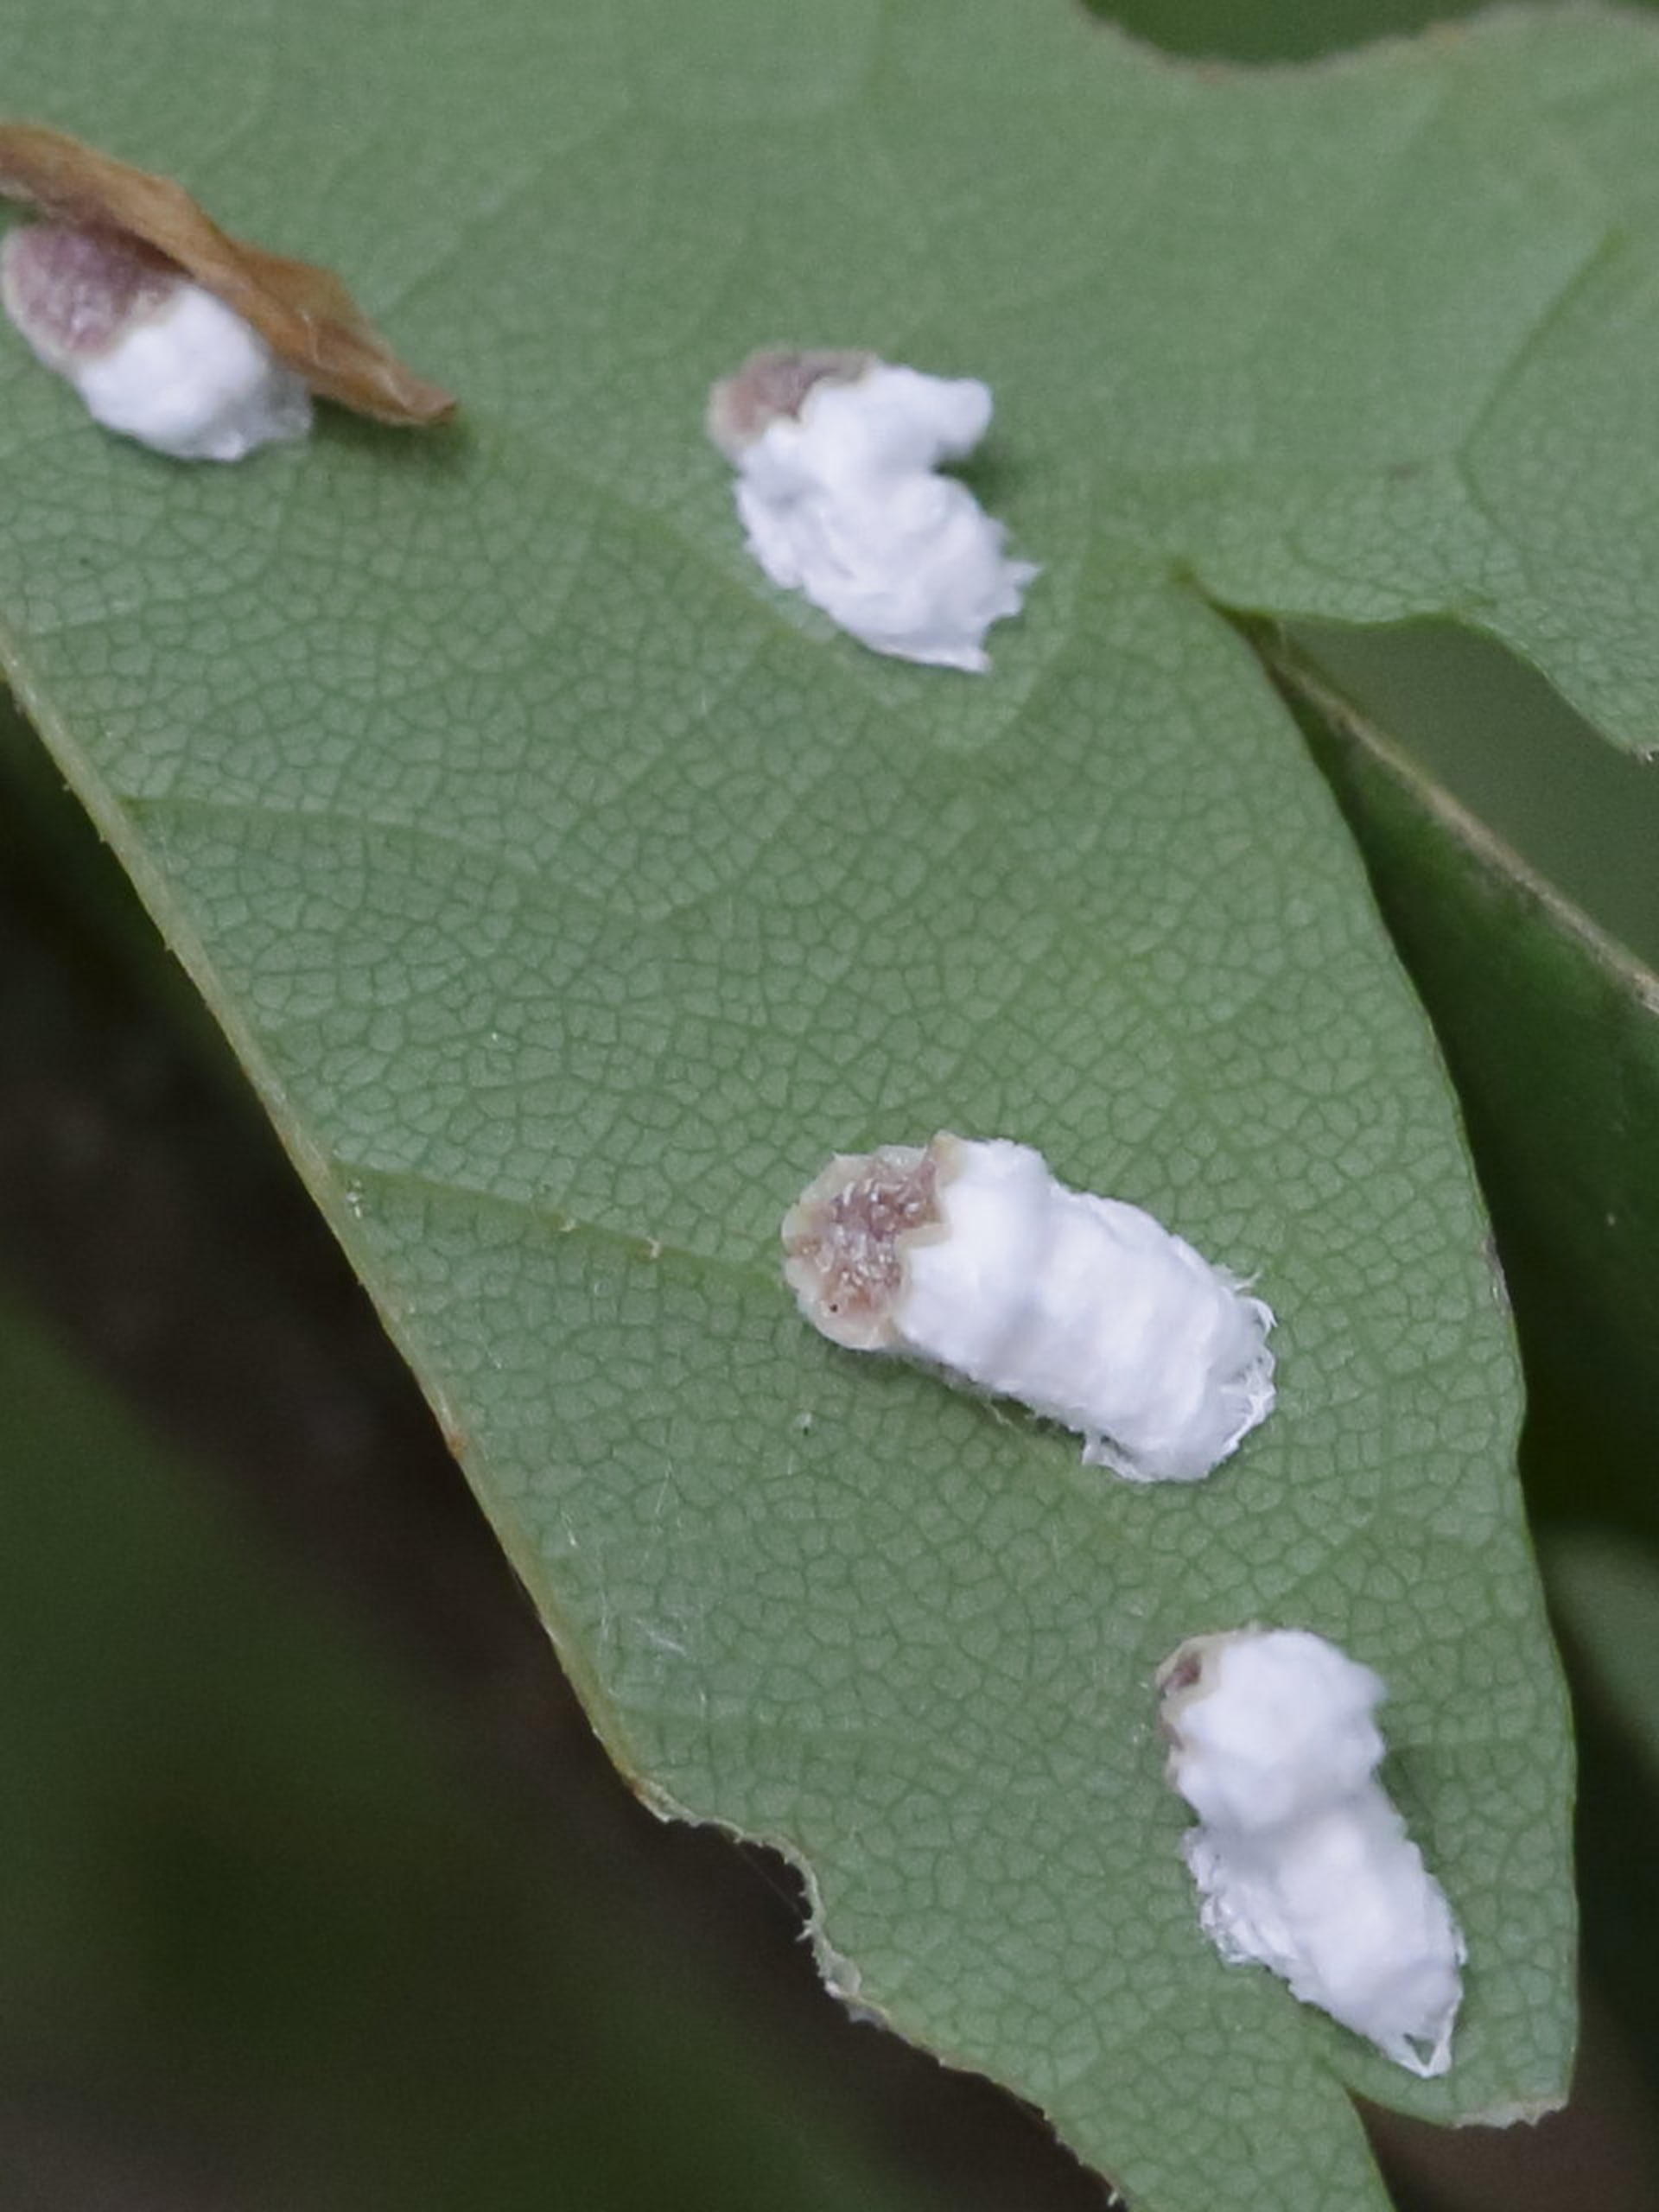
point(1604, 1587)
point(1551, 1021)
point(1535, 778)
point(570, 895)
point(1607, 1592)
point(1274, 30)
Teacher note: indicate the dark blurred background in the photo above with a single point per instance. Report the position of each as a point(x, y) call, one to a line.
point(315, 1891)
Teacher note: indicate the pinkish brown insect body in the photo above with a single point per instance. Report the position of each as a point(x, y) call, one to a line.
point(843, 1238)
point(154, 355)
point(75, 293)
point(1179, 1676)
point(772, 384)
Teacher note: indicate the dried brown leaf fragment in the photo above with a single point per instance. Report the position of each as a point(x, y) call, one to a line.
point(305, 315)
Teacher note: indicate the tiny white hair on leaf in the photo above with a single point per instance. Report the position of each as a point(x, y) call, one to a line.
point(968, 1254)
point(837, 455)
point(1302, 1862)
point(154, 356)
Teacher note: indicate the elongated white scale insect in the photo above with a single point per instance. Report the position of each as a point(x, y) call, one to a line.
point(970, 1255)
point(836, 455)
point(153, 355)
point(1303, 1864)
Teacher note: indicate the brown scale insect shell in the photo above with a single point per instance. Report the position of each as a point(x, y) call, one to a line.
point(1188, 1675)
point(845, 1238)
point(770, 385)
point(75, 294)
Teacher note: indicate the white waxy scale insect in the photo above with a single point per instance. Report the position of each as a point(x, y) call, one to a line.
point(837, 455)
point(970, 1255)
point(153, 355)
point(1302, 1862)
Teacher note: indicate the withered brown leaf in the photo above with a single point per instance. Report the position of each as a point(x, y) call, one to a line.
point(304, 314)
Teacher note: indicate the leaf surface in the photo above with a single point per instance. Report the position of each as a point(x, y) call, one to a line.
point(570, 894)
point(1551, 1020)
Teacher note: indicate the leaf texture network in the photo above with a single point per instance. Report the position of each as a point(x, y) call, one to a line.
point(570, 895)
